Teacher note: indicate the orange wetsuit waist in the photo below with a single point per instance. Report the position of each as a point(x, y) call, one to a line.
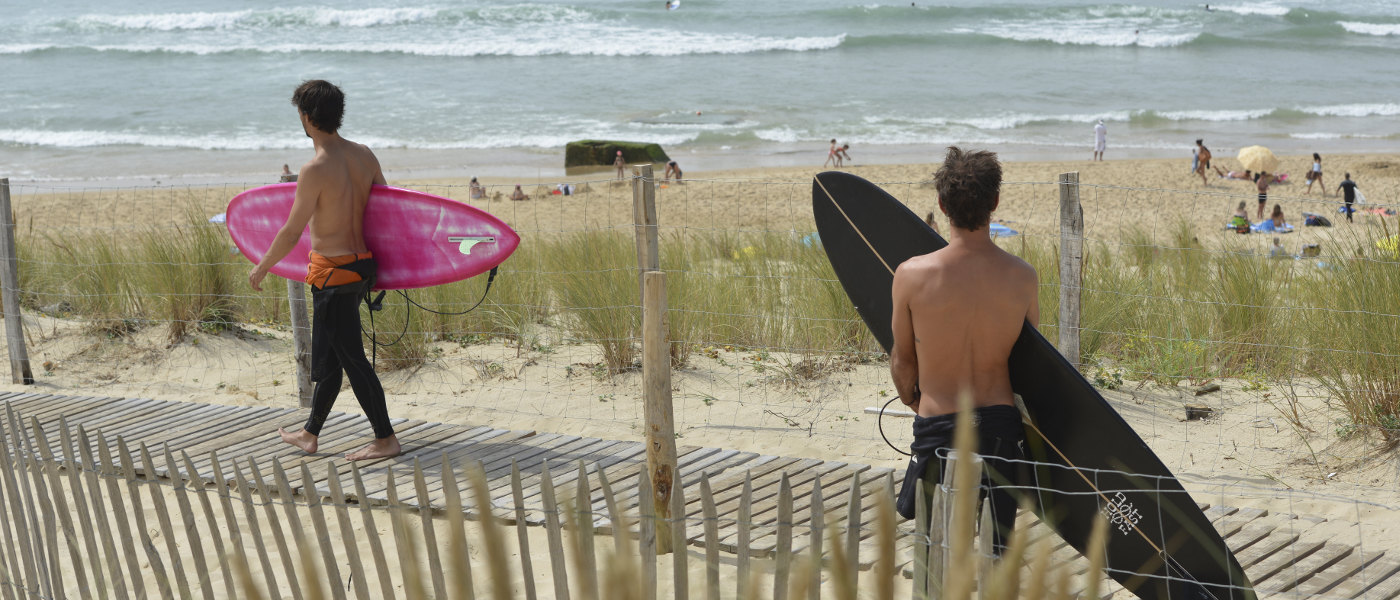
point(324, 271)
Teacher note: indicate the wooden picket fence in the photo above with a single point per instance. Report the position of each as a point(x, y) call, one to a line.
point(86, 517)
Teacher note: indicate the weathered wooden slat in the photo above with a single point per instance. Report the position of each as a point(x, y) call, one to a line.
point(11, 580)
point(1277, 540)
point(347, 533)
point(522, 531)
point(743, 525)
point(323, 538)
point(617, 523)
point(494, 449)
point(680, 556)
point(18, 546)
point(212, 523)
point(707, 502)
point(138, 510)
point(193, 540)
point(172, 547)
point(275, 523)
point(459, 555)
point(625, 475)
point(814, 589)
point(60, 503)
point(783, 544)
point(268, 445)
point(368, 468)
point(1290, 575)
point(81, 466)
point(586, 563)
point(252, 429)
point(802, 508)
point(1379, 573)
point(408, 560)
point(559, 458)
point(1342, 570)
point(231, 423)
point(43, 548)
point(386, 583)
point(375, 485)
point(425, 512)
point(553, 533)
point(923, 542)
point(249, 511)
point(766, 512)
point(853, 532)
point(646, 539)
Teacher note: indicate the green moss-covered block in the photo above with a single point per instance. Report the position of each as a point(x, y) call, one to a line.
point(585, 155)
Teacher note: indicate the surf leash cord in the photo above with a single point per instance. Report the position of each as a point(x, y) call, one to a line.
point(377, 304)
point(1115, 508)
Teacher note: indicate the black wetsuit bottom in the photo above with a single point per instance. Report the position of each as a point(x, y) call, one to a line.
point(336, 345)
point(1000, 439)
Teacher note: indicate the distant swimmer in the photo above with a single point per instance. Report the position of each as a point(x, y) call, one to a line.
point(673, 4)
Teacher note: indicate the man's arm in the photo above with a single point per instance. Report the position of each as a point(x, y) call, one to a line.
point(904, 357)
point(303, 207)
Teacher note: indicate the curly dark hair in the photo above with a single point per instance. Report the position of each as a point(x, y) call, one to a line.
point(322, 102)
point(968, 184)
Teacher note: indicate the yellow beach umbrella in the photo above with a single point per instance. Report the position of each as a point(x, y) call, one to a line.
point(1258, 158)
point(1390, 244)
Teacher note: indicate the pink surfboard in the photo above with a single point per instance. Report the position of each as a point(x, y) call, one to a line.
point(418, 239)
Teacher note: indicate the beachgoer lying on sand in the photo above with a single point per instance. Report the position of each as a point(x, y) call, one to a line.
point(519, 194)
point(1238, 175)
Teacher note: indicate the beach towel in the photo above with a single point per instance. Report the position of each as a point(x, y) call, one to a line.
point(1267, 226)
point(999, 230)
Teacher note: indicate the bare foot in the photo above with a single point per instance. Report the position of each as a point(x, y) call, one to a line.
point(300, 439)
point(380, 448)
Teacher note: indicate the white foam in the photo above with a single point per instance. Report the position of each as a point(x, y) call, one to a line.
point(1380, 29)
point(325, 17)
point(1354, 110)
point(89, 139)
point(633, 42)
point(1087, 32)
point(1267, 9)
point(1215, 115)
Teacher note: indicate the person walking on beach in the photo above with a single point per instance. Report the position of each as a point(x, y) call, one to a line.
point(1348, 190)
point(620, 164)
point(941, 352)
point(1261, 183)
point(1100, 140)
point(1315, 175)
point(1202, 161)
point(831, 155)
point(331, 195)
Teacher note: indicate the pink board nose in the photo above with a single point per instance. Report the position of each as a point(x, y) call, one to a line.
point(418, 239)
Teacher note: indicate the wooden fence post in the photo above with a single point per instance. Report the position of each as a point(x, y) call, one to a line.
point(660, 422)
point(9, 284)
point(644, 222)
point(1071, 265)
point(301, 334)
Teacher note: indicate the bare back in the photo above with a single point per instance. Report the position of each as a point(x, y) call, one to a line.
point(338, 181)
point(964, 307)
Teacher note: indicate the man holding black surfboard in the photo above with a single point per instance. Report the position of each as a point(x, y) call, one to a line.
point(957, 313)
point(331, 194)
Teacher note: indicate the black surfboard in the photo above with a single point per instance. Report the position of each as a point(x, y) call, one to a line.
point(1161, 545)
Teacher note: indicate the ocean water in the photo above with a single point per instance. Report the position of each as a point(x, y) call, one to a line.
point(138, 88)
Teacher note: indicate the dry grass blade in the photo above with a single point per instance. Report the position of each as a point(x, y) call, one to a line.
point(494, 543)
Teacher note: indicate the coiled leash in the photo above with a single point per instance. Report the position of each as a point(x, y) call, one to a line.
point(377, 304)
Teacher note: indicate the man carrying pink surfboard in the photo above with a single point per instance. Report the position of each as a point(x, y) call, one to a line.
point(331, 194)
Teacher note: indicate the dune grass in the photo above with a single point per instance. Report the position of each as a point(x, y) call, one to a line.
point(1158, 310)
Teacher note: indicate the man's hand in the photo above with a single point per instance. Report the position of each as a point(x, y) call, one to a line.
point(255, 278)
point(914, 406)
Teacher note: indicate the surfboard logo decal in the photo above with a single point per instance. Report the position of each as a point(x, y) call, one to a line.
point(1121, 513)
point(465, 244)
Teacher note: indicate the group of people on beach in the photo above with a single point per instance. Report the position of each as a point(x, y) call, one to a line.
point(837, 155)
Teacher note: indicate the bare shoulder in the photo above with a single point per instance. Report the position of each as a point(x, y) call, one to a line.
point(313, 171)
point(1021, 270)
point(918, 265)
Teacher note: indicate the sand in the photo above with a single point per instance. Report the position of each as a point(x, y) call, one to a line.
point(1246, 455)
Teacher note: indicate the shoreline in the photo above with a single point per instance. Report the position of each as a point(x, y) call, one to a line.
point(140, 166)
